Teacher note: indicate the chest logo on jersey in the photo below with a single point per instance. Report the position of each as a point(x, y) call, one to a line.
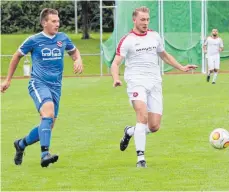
point(51, 54)
point(59, 43)
point(146, 49)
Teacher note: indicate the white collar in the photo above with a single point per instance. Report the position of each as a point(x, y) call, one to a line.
point(49, 36)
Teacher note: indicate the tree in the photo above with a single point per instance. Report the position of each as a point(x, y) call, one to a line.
point(85, 10)
point(23, 16)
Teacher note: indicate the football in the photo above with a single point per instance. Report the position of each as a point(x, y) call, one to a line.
point(219, 138)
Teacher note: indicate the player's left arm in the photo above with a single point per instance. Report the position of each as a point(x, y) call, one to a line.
point(220, 49)
point(221, 45)
point(169, 59)
point(76, 57)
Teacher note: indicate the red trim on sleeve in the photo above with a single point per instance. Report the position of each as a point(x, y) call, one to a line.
point(120, 44)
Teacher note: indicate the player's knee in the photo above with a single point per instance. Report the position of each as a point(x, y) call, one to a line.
point(154, 127)
point(47, 109)
point(215, 70)
point(211, 71)
point(48, 114)
point(142, 117)
point(141, 114)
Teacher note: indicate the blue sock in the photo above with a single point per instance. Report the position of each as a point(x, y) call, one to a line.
point(22, 144)
point(31, 138)
point(43, 153)
point(44, 131)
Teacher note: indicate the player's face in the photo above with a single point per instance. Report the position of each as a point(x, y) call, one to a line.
point(51, 25)
point(141, 22)
point(215, 32)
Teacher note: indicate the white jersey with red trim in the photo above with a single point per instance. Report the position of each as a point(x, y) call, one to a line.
point(141, 55)
point(213, 45)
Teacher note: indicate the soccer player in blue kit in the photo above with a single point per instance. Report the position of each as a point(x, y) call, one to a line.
point(47, 53)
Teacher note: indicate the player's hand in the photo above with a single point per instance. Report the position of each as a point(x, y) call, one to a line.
point(5, 85)
point(78, 67)
point(117, 83)
point(187, 68)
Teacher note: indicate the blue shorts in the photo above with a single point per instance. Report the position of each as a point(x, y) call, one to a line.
point(42, 93)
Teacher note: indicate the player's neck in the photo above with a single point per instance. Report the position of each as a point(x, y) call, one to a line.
point(137, 32)
point(214, 37)
point(45, 33)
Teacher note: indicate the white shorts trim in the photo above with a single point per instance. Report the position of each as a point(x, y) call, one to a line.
point(36, 92)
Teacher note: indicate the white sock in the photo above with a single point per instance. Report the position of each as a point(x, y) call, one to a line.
point(130, 131)
point(140, 140)
point(148, 131)
point(214, 77)
point(141, 157)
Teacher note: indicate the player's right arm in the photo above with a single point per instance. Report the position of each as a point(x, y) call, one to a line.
point(12, 68)
point(121, 53)
point(205, 45)
point(115, 70)
point(23, 50)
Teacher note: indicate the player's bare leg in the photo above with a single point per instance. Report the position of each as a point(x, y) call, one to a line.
point(22, 143)
point(215, 76)
point(209, 74)
point(140, 131)
point(154, 122)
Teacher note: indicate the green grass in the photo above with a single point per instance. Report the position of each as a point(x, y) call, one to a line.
point(10, 43)
point(87, 133)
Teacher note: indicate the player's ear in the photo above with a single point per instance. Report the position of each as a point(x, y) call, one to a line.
point(44, 23)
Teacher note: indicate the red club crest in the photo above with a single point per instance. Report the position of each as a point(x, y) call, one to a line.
point(135, 94)
point(59, 43)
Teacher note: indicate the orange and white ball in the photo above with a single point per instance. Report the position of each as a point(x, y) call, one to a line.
point(219, 138)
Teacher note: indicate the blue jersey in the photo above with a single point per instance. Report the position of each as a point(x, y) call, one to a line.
point(47, 56)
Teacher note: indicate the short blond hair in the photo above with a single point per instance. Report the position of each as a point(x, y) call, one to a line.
point(140, 9)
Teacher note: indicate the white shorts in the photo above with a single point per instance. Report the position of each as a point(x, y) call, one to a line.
point(149, 93)
point(213, 62)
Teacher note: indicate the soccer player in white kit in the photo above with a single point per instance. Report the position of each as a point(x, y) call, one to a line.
point(141, 48)
point(212, 47)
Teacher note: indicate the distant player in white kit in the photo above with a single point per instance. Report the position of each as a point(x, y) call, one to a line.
point(141, 48)
point(212, 47)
